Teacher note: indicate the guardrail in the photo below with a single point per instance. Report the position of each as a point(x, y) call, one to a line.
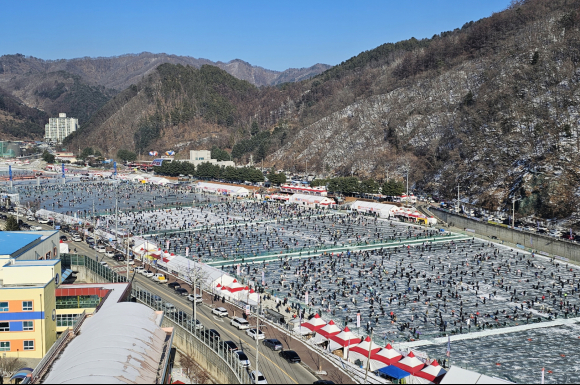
point(204, 343)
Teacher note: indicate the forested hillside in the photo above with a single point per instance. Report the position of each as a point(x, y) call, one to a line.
point(491, 106)
point(18, 121)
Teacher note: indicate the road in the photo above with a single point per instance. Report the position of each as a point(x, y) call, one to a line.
point(275, 369)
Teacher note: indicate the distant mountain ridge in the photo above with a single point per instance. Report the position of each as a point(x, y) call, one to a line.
point(119, 72)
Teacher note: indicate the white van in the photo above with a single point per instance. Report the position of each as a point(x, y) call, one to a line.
point(240, 323)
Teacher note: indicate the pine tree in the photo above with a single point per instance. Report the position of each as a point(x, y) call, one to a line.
point(12, 224)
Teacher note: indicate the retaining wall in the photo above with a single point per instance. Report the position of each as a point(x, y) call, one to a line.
point(529, 241)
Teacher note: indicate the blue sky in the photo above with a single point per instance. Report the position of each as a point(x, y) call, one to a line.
point(272, 34)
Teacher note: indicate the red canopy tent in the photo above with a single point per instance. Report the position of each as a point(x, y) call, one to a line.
point(323, 334)
point(385, 357)
point(361, 351)
point(432, 372)
point(343, 339)
point(410, 364)
point(313, 325)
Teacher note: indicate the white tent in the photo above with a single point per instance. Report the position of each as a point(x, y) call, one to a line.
point(457, 375)
point(143, 247)
point(344, 339)
point(310, 326)
point(361, 351)
point(222, 189)
point(431, 372)
point(410, 364)
point(382, 209)
point(311, 200)
point(322, 335)
point(385, 357)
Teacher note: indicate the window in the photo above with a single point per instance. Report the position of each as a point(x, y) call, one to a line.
point(27, 306)
point(4, 326)
point(4, 346)
point(3, 306)
point(28, 326)
point(66, 319)
point(28, 345)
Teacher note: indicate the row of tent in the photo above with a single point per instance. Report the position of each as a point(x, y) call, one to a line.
point(384, 210)
point(387, 361)
point(214, 280)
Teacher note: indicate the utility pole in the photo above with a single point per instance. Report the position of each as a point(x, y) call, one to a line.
point(513, 212)
point(458, 199)
point(306, 169)
point(257, 331)
point(369, 358)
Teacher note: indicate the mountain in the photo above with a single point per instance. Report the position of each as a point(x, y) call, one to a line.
point(18, 121)
point(120, 72)
point(492, 106)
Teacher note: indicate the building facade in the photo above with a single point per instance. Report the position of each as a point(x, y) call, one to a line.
point(59, 128)
point(30, 273)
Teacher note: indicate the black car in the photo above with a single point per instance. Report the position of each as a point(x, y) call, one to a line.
point(173, 285)
point(229, 345)
point(211, 333)
point(291, 356)
point(323, 382)
point(180, 316)
point(181, 291)
point(273, 344)
point(63, 238)
point(119, 257)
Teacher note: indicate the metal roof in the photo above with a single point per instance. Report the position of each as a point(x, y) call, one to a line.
point(120, 344)
point(11, 242)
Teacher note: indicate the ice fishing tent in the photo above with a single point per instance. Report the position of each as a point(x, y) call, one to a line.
point(311, 200)
point(361, 351)
point(381, 209)
point(432, 372)
point(410, 364)
point(345, 338)
point(222, 189)
point(310, 326)
point(384, 357)
point(323, 334)
point(394, 372)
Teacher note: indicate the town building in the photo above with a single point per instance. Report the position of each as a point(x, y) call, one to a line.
point(204, 156)
point(59, 128)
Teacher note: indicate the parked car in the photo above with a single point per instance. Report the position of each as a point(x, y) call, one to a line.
point(291, 356)
point(147, 273)
point(230, 345)
point(181, 291)
point(30, 218)
point(101, 248)
point(240, 323)
point(76, 238)
point(257, 377)
point(36, 228)
point(103, 263)
point(160, 278)
point(211, 334)
point(169, 307)
point(273, 344)
point(198, 298)
point(198, 324)
point(110, 253)
point(255, 335)
point(174, 285)
point(180, 316)
point(243, 360)
point(220, 312)
point(119, 257)
point(43, 221)
point(139, 269)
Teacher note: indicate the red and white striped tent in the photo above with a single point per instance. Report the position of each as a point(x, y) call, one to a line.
point(432, 371)
point(322, 335)
point(343, 339)
point(410, 364)
point(234, 287)
point(385, 357)
point(313, 325)
point(361, 351)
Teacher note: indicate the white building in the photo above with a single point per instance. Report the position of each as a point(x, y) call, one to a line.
point(222, 189)
point(59, 128)
point(204, 156)
point(311, 201)
point(383, 210)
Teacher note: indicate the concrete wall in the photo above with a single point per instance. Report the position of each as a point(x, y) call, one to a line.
point(184, 341)
point(538, 242)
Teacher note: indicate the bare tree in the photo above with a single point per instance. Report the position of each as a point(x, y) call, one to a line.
point(9, 366)
point(195, 276)
point(194, 373)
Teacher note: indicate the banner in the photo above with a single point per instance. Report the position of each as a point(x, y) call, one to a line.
point(238, 269)
point(10, 172)
point(167, 245)
point(263, 279)
point(306, 298)
point(63, 170)
point(187, 252)
point(358, 320)
point(115, 167)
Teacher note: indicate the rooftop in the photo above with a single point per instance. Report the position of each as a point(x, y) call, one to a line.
point(12, 241)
